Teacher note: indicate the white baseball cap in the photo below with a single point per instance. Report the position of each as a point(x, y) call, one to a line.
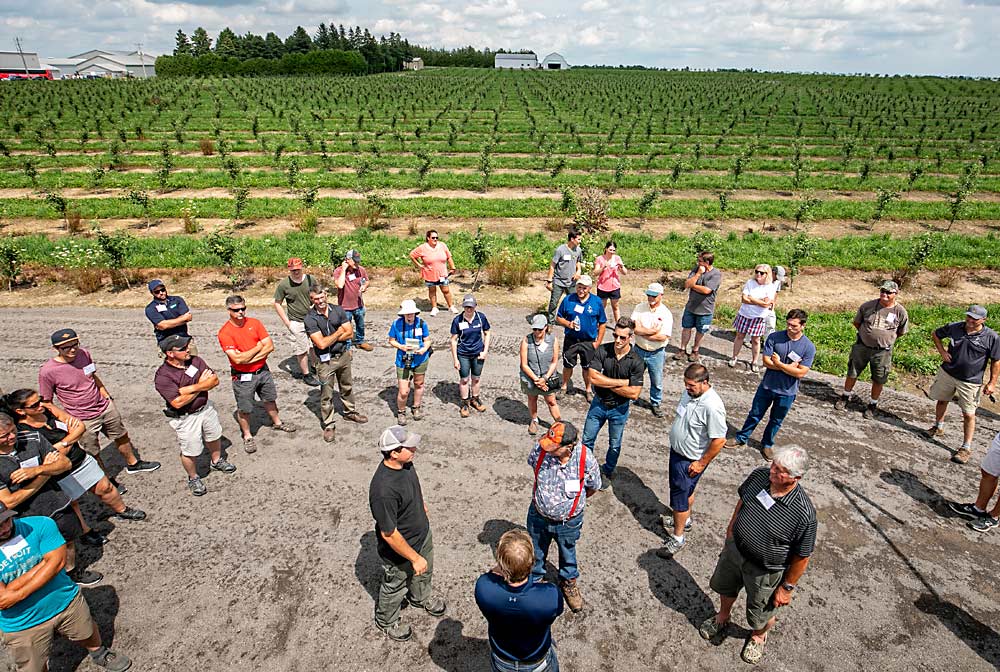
point(585, 280)
point(654, 289)
point(397, 437)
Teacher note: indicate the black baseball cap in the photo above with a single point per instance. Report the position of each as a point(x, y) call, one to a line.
point(64, 336)
point(6, 513)
point(174, 342)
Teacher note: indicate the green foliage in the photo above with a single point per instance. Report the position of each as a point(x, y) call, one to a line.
point(224, 246)
point(804, 211)
point(590, 214)
point(240, 197)
point(882, 201)
point(922, 249)
point(704, 241)
point(646, 202)
point(803, 248)
point(11, 259)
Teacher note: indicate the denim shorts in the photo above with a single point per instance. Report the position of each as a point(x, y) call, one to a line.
point(702, 323)
point(443, 282)
point(470, 366)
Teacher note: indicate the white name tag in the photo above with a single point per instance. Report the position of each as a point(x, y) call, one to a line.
point(61, 425)
point(890, 318)
point(572, 487)
point(542, 347)
point(681, 410)
point(246, 377)
point(13, 546)
point(794, 357)
point(30, 462)
point(160, 308)
point(567, 257)
point(191, 371)
point(89, 369)
point(325, 357)
point(352, 277)
point(764, 497)
point(578, 309)
point(463, 325)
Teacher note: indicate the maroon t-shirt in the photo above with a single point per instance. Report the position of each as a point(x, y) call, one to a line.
point(74, 385)
point(170, 379)
point(350, 297)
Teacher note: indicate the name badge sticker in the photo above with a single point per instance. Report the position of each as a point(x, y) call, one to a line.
point(191, 371)
point(567, 257)
point(246, 377)
point(13, 546)
point(794, 357)
point(764, 497)
point(463, 325)
point(578, 309)
point(542, 347)
point(351, 277)
point(61, 425)
point(89, 369)
point(325, 357)
point(572, 487)
point(30, 462)
point(160, 308)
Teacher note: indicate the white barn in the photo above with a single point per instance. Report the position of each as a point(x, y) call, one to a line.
point(61, 68)
point(515, 61)
point(416, 64)
point(554, 61)
point(115, 64)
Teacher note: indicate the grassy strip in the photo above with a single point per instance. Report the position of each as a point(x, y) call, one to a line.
point(833, 335)
point(673, 252)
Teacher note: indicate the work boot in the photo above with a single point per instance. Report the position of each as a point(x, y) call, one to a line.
point(571, 593)
point(464, 411)
point(478, 405)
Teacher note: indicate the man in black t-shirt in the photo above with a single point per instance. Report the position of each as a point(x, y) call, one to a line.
point(405, 546)
point(616, 373)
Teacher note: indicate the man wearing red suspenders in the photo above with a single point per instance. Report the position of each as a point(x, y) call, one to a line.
point(565, 474)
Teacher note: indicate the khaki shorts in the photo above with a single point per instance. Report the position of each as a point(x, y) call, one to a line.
point(734, 573)
point(196, 429)
point(862, 356)
point(109, 423)
point(946, 388)
point(30, 648)
point(297, 337)
point(406, 373)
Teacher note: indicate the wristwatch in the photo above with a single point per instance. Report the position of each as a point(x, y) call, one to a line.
point(788, 586)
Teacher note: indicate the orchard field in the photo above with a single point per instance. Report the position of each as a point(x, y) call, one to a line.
point(891, 176)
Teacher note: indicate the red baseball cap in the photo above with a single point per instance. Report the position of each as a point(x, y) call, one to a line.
point(294, 263)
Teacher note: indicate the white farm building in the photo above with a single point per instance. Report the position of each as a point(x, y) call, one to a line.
point(554, 61)
point(515, 61)
point(101, 63)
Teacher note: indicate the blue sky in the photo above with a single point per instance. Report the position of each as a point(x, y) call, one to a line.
point(949, 37)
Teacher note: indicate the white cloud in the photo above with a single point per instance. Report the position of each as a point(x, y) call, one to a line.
point(594, 5)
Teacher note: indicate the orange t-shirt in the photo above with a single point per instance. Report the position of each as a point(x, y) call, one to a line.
point(243, 338)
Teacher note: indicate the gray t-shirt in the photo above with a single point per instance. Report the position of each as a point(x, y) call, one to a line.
point(698, 420)
point(704, 304)
point(880, 326)
point(564, 261)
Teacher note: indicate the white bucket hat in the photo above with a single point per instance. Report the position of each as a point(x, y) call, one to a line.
point(408, 307)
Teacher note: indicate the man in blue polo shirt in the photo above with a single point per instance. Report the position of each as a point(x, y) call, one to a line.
point(519, 611)
point(788, 356)
point(38, 599)
point(582, 316)
point(169, 314)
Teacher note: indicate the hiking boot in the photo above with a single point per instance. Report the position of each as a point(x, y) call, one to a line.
point(398, 631)
point(605, 481)
point(354, 416)
point(311, 380)
point(477, 404)
point(401, 417)
point(367, 347)
point(93, 538)
point(735, 443)
point(223, 466)
point(464, 410)
point(711, 628)
point(984, 524)
point(329, 433)
point(671, 547)
point(933, 431)
point(249, 444)
point(435, 606)
point(571, 593)
point(967, 511)
point(113, 662)
point(962, 455)
point(142, 466)
point(197, 487)
point(417, 413)
point(284, 427)
point(841, 403)
point(753, 651)
point(657, 411)
point(130, 513)
point(85, 577)
point(871, 412)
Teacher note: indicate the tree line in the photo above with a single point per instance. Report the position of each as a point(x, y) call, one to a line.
point(331, 50)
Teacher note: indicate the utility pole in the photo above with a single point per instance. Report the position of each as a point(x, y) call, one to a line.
point(142, 61)
point(24, 62)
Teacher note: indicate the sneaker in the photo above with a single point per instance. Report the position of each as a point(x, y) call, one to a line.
point(671, 547)
point(733, 442)
point(130, 513)
point(871, 412)
point(962, 455)
point(435, 606)
point(118, 486)
point(417, 413)
point(478, 404)
point(667, 520)
point(464, 410)
point(356, 417)
point(967, 511)
point(753, 651)
point(533, 426)
point(984, 524)
point(223, 466)
point(933, 431)
point(605, 480)
point(398, 631)
point(250, 444)
point(93, 538)
point(329, 433)
point(197, 487)
point(367, 347)
point(841, 403)
point(286, 427)
point(731, 362)
point(711, 628)
point(694, 357)
point(113, 662)
point(401, 417)
point(657, 411)
point(141, 466)
point(754, 368)
point(571, 593)
point(454, 310)
point(311, 380)
point(434, 311)
point(85, 577)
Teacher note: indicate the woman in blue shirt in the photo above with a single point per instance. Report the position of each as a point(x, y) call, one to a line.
point(470, 341)
point(410, 336)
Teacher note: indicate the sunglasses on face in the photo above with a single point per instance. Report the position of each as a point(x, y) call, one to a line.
point(620, 337)
point(886, 292)
point(37, 404)
point(433, 237)
point(760, 272)
point(160, 290)
point(241, 309)
point(66, 348)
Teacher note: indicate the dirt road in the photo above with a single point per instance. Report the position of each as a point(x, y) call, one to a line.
point(275, 568)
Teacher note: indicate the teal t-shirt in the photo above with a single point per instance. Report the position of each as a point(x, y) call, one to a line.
point(33, 537)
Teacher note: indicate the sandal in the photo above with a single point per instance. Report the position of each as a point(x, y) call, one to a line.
point(753, 650)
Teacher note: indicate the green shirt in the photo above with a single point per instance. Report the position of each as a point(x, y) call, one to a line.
point(296, 297)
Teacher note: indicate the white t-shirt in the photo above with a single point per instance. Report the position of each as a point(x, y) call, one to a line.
point(759, 292)
point(661, 317)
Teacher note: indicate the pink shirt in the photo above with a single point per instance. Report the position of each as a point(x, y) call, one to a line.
point(435, 260)
point(73, 383)
point(607, 273)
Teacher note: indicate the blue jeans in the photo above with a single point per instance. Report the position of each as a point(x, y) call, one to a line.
point(779, 404)
point(358, 316)
point(549, 664)
point(566, 534)
point(654, 366)
point(615, 417)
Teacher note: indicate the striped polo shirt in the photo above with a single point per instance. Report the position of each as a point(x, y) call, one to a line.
point(769, 537)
